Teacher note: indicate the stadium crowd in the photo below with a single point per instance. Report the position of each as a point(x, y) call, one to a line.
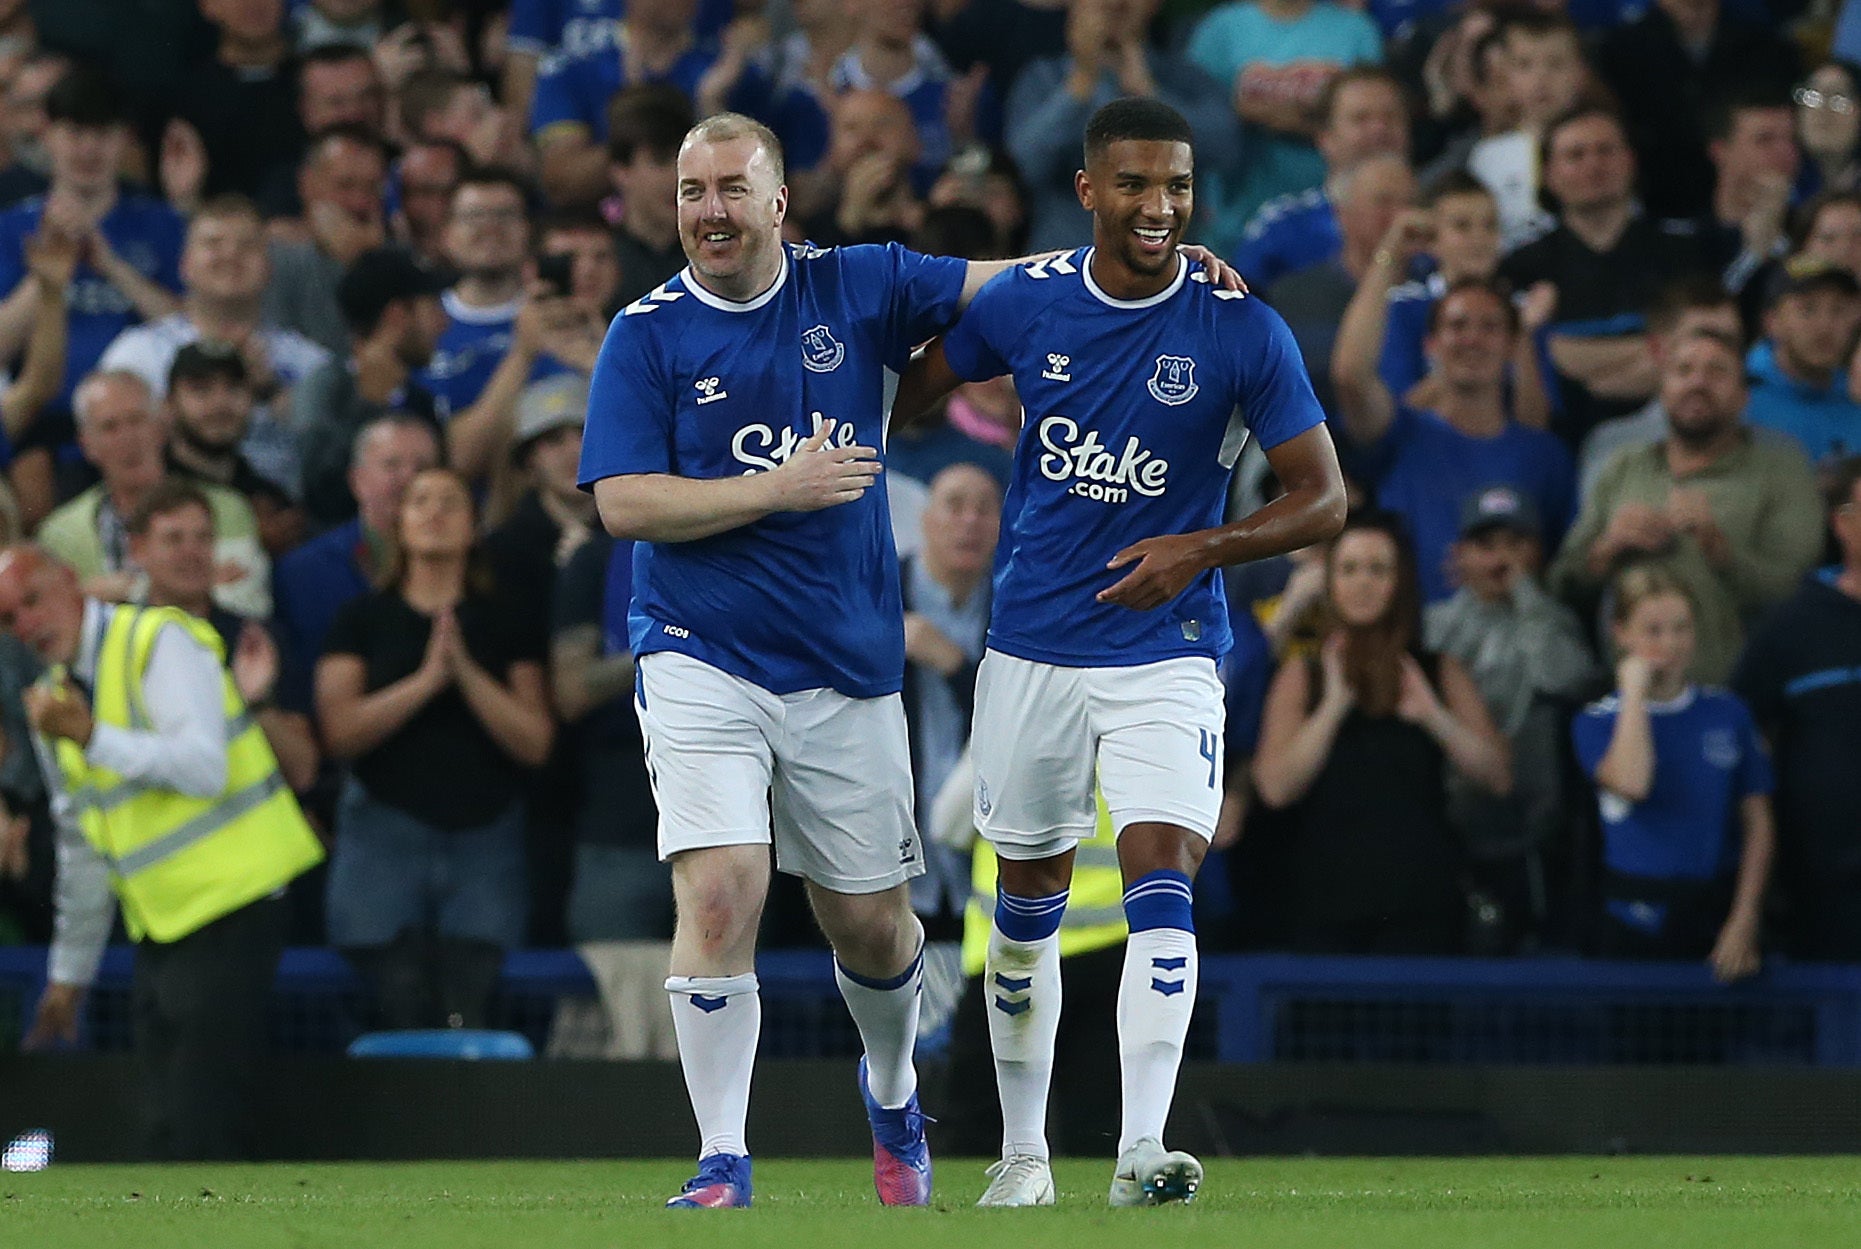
point(299, 301)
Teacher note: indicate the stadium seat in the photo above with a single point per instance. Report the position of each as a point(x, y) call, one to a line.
point(473, 1043)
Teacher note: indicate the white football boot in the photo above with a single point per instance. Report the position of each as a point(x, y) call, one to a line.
point(1149, 1175)
point(1021, 1180)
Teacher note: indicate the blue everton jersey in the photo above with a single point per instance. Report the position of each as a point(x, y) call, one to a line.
point(1135, 413)
point(1707, 760)
point(144, 232)
point(691, 384)
point(469, 351)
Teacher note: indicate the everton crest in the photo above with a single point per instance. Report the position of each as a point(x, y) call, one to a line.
point(821, 352)
point(1174, 380)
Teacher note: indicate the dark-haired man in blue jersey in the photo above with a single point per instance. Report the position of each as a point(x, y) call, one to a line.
point(734, 417)
point(1141, 380)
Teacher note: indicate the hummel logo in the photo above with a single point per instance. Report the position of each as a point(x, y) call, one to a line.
point(1014, 984)
point(1011, 1009)
point(709, 387)
point(1056, 367)
point(710, 1004)
point(905, 850)
point(1169, 964)
point(1168, 988)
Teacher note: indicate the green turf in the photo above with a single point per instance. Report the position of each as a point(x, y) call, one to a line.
point(1566, 1203)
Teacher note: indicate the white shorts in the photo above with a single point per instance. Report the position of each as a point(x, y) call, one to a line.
point(1153, 730)
point(825, 776)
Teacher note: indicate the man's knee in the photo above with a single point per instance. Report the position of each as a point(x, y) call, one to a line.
point(869, 931)
point(720, 895)
point(1035, 878)
point(1147, 848)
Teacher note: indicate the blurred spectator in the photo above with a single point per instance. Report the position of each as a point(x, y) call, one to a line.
point(1755, 162)
point(341, 182)
point(1607, 263)
point(171, 540)
point(424, 178)
point(946, 598)
point(1734, 519)
point(1799, 379)
point(1547, 75)
point(552, 516)
point(1829, 229)
point(1368, 197)
point(1004, 35)
point(620, 908)
point(449, 106)
point(209, 410)
point(341, 564)
point(1424, 462)
point(1828, 128)
point(1356, 741)
point(392, 305)
point(241, 101)
point(1459, 59)
point(1801, 676)
point(224, 272)
point(890, 53)
point(568, 117)
point(130, 245)
point(157, 706)
point(1106, 57)
point(986, 180)
point(1667, 69)
point(1692, 305)
point(487, 241)
point(802, 65)
point(1361, 113)
point(319, 24)
point(338, 85)
point(432, 689)
point(649, 124)
point(51, 259)
point(1464, 218)
point(587, 246)
point(1276, 56)
point(1528, 655)
point(24, 122)
point(124, 437)
point(874, 155)
point(1677, 768)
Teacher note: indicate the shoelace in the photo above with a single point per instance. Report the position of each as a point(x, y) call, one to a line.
point(713, 1170)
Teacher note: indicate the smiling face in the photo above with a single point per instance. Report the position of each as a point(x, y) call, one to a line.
point(176, 552)
point(1471, 339)
point(1141, 194)
point(41, 604)
point(730, 208)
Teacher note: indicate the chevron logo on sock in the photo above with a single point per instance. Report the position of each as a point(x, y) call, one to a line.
point(1014, 984)
point(1012, 1008)
point(711, 1004)
point(1168, 988)
point(1169, 964)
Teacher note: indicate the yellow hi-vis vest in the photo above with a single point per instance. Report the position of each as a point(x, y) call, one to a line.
point(177, 862)
point(1094, 915)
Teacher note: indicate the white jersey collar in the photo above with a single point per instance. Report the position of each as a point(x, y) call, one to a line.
point(711, 299)
point(1182, 274)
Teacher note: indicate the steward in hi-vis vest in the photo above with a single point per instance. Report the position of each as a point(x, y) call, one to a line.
point(166, 793)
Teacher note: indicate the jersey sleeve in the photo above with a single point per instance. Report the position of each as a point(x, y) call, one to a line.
point(630, 410)
point(976, 346)
point(926, 296)
point(1755, 775)
point(1274, 392)
point(12, 251)
point(1589, 734)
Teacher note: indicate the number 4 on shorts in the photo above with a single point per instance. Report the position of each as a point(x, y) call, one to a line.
point(1209, 741)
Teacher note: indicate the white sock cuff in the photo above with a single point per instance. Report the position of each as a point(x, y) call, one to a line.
point(712, 986)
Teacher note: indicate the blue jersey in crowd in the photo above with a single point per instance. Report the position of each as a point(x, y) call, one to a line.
point(1136, 411)
point(1707, 759)
point(578, 27)
point(144, 232)
point(691, 384)
point(1425, 469)
point(1403, 361)
point(1288, 234)
point(469, 351)
point(576, 89)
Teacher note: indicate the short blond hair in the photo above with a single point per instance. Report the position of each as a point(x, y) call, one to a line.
point(723, 127)
point(1638, 583)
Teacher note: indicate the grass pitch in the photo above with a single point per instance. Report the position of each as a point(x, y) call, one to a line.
point(1566, 1203)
